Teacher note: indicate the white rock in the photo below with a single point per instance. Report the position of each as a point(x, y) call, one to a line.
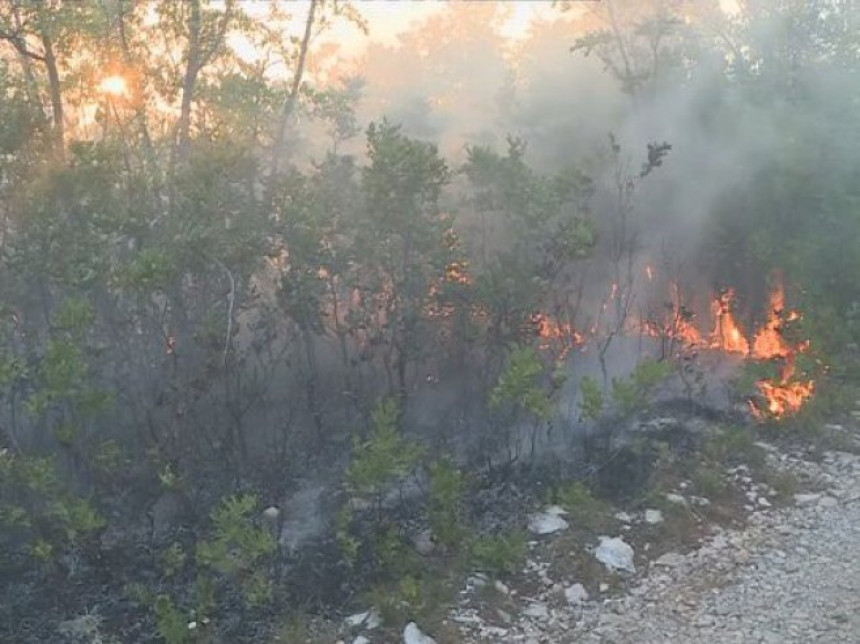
point(413, 635)
point(502, 588)
point(615, 554)
point(369, 619)
point(358, 619)
point(374, 620)
point(653, 516)
point(547, 522)
point(494, 632)
point(537, 610)
point(478, 580)
point(604, 588)
point(670, 560)
point(719, 542)
point(271, 513)
point(576, 594)
point(361, 639)
point(623, 517)
point(763, 502)
point(828, 502)
point(676, 498)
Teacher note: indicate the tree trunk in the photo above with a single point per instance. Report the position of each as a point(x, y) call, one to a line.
point(290, 104)
point(56, 98)
point(192, 68)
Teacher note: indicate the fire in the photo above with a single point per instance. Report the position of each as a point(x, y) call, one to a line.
point(552, 332)
point(649, 273)
point(782, 395)
point(727, 335)
point(768, 342)
point(678, 325)
point(783, 398)
point(786, 396)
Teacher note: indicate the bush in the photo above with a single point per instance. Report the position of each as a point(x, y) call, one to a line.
point(447, 486)
point(584, 509)
point(633, 393)
point(499, 554)
point(238, 547)
point(39, 515)
point(591, 399)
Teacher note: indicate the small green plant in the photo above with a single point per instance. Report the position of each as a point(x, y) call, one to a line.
point(172, 625)
point(385, 458)
point(632, 394)
point(239, 547)
point(348, 544)
point(591, 399)
point(735, 445)
point(709, 481)
point(172, 559)
point(499, 554)
point(584, 509)
point(519, 385)
point(447, 486)
point(39, 515)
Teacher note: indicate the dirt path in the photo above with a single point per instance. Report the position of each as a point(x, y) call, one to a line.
point(792, 575)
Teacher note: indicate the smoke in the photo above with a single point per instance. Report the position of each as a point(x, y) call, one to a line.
point(455, 80)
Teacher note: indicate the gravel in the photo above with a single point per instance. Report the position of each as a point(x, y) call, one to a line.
point(793, 575)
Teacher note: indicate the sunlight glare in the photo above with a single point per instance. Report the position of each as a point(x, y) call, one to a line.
point(114, 85)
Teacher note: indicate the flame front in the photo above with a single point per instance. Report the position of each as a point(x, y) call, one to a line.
point(768, 342)
point(781, 396)
point(787, 395)
point(727, 335)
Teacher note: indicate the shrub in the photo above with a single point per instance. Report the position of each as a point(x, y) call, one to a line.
point(591, 399)
point(584, 509)
point(499, 554)
point(238, 547)
point(447, 486)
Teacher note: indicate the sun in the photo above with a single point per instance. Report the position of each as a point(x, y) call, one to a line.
point(114, 85)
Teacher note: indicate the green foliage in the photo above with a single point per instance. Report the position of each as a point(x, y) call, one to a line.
point(445, 511)
point(591, 399)
point(38, 513)
point(348, 544)
point(735, 445)
point(519, 385)
point(584, 509)
point(172, 559)
point(384, 458)
point(239, 547)
point(499, 554)
point(171, 623)
point(632, 394)
point(391, 551)
point(709, 481)
point(151, 271)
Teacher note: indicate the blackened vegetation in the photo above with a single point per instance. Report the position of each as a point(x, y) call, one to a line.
point(276, 355)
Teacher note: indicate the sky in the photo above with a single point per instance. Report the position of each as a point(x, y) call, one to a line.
point(388, 18)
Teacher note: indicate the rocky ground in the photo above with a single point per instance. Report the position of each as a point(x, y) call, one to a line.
point(792, 574)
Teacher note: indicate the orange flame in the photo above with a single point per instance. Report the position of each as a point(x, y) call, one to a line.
point(727, 335)
point(553, 333)
point(785, 396)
